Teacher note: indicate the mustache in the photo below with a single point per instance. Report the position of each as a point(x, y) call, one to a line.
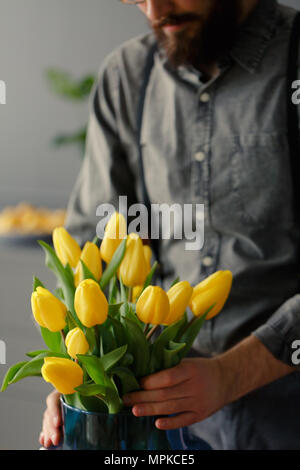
point(175, 20)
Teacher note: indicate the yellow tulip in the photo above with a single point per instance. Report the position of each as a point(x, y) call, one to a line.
point(76, 343)
point(66, 248)
point(90, 303)
point(148, 256)
point(48, 311)
point(153, 306)
point(63, 374)
point(136, 291)
point(115, 232)
point(134, 268)
point(90, 255)
point(179, 296)
point(214, 289)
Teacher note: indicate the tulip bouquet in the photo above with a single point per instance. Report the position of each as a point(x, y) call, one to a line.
point(105, 329)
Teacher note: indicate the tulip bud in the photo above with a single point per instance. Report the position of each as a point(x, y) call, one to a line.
point(90, 255)
point(179, 296)
point(153, 306)
point(214, 289)
point(134, 269)
point(90, 303)
point(63, 374)
point(136, 291)
point(115, 232)
point(76, 343)
point(48, 311)
point(66, 248)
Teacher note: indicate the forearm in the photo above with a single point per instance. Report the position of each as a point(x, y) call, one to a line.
point(248, 366)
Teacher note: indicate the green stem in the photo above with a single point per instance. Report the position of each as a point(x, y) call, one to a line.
point(146, 328)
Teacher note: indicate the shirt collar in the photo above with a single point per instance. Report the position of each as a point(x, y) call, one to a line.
point(254, 35)
point(252, 39)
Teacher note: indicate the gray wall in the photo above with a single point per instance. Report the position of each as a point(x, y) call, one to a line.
point(36, 34)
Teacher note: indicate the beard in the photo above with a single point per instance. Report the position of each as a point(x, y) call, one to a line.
point(204, 40)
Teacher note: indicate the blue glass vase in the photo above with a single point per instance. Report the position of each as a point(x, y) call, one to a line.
point(88, 430)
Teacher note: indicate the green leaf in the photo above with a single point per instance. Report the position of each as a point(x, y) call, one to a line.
point(91, 390)
point(124, 291)
point(192, 332)
point(107, 340)
point(66, 86)
point(112, 358)
point(119, 332)
point(71, 322)
point(33, 367)
point(169, 333)
point(52, 340)
point(113, 309)
point(94, 368)
point(59, 294)
point(74, 400)
point(96, 371)
point(127, 360)
point(113, 289)
point(138, 346)
point(171, 354)
point(93, 404)
point(36, 283)
point(127, 311)
point(175, 281)
point(87, 274)
point(36, 353)
point(10, 374)
point(127, 379)
point(112, 267)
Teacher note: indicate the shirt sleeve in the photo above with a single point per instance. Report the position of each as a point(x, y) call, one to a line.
point(105, 173)
point(281, 333)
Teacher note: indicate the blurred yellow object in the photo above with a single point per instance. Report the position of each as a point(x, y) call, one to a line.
point(153, 306)
point(66, 248)
point(214, 289)
point(115, 232)
point(179, 296)
point(90, 255)
point(90, 303)
point(76, 343)
point(63, 374)
point(26, 219)
point(48, 311)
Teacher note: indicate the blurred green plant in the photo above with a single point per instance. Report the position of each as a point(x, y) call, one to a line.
point(65, 86)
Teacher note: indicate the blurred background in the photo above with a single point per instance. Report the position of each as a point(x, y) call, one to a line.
point(43, 106)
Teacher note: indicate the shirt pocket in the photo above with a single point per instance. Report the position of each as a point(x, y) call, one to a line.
point(261, 179)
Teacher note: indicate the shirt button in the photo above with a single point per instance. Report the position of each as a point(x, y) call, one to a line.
point(205, 97)
point(207, 261)
point(200, 156)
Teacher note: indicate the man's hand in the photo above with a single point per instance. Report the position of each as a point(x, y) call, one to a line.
point(51, 433)
point(193, 389)
point(199, 387)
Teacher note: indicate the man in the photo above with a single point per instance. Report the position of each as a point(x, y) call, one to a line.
point(214, 132)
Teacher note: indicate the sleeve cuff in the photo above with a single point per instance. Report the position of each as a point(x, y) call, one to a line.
point(281, 333)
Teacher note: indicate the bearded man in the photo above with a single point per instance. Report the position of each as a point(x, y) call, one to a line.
point(214, 131)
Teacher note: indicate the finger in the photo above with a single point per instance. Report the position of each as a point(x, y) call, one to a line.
point(167, 378)
point(182, 390)
point(163, 408)
point(52, 435)
point(53, 407)
point(179, 421)
point(41, 439)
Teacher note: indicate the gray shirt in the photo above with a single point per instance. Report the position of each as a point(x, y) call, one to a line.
point(222, 143)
